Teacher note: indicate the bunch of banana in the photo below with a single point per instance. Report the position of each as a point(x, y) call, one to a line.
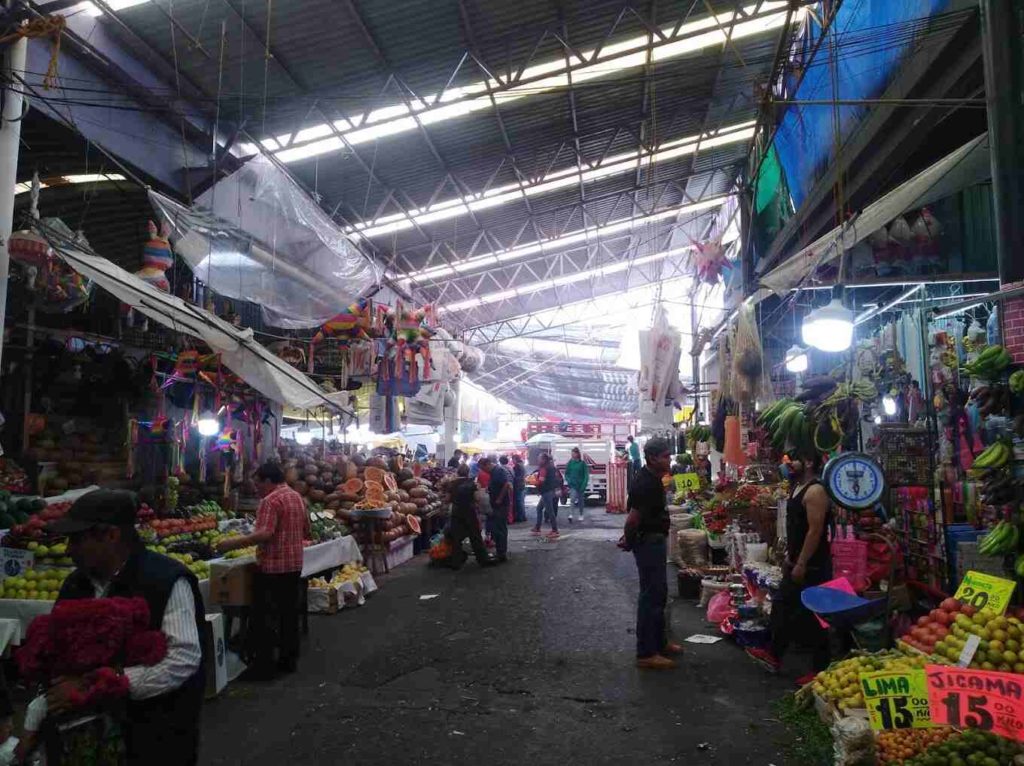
point(1018, 566)
point(788, 424)
point(698, 434)
point(989, 363)
point(1017, 382)
point(998, 488)
point(994, 456)
point(1002, 539)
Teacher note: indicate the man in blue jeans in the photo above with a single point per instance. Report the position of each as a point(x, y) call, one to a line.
point(646, 534)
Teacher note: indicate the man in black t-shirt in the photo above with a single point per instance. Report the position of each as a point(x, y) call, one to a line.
point(646, 535)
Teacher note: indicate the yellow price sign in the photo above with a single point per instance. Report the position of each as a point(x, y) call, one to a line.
point(984, 591)
point(897, 699)
point(686, 482)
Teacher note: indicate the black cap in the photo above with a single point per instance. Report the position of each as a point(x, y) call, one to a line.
point(113, 507)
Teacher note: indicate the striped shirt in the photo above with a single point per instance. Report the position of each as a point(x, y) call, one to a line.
point(184, 653)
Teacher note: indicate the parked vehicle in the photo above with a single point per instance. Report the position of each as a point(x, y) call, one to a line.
point(597, 453)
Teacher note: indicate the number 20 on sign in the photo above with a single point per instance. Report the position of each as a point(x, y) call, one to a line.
point(896, 699)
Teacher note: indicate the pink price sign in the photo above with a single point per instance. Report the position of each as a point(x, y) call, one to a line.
point(977, 699)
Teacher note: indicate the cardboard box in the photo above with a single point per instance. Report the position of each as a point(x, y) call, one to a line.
point(231, 583)
point(215, 650)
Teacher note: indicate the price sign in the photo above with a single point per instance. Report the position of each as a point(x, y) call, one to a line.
point(897, 699)
point(977, 699)
point(15, 562)
point(685, 482)
point(983, 591)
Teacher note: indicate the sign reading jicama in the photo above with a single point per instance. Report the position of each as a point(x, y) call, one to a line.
point(977, 699)
point(896, 699)
point(984, 591)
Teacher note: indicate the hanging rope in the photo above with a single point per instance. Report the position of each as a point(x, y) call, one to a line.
point(48, 26)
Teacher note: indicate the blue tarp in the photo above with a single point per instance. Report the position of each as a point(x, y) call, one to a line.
point(863, 28)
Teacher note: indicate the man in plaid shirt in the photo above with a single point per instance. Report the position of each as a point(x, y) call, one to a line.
point(281, 525)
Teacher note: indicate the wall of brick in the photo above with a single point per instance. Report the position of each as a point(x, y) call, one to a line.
point(1013, 324)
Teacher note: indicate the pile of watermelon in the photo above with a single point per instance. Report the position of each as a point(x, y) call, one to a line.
point(18, 510)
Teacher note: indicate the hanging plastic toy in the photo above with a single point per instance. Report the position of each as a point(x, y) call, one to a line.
point(710, 260)
point(157, 258)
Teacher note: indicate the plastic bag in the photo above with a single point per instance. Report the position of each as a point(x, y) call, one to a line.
point(719, 607)
point(747, 362)
point(854, 742)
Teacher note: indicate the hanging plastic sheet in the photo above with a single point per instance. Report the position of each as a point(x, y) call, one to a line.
point(240, 353)
point(872, 40)
point(256, 236)
point(959, 169)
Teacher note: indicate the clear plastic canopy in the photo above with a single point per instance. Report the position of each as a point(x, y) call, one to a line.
point(257, 236)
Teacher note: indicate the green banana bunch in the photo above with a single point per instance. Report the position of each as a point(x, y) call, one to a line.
point(1002, 539)
point(994, 456)
point(1017, 382)
point(698, 434)
point(989, 363)
point(787, 423)
point(1018, 566)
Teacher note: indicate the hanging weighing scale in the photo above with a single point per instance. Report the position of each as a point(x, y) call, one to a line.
point(854, 480)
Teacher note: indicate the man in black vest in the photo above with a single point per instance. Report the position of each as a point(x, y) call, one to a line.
point(165, 698)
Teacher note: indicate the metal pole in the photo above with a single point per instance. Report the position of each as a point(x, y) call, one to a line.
point(10, 137)
point(1002, 24)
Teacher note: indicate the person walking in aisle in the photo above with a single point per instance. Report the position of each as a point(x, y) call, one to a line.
point(282, 523)
point(633, 450)
point(808, 562)
point(503, 462)
point(646, 534)
point(464, 522)
point(499, 490)
point(577, 476)
point(519, 488)
point(456, 459)
point(549, 482)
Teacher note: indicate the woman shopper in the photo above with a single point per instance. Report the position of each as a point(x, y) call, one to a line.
point(549, 482)
point(577, 475)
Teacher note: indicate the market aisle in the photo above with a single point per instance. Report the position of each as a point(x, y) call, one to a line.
point(525, 663)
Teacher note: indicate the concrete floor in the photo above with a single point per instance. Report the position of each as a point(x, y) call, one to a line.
point(527, 663)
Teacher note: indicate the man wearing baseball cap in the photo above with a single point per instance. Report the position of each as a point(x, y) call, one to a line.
point(165, 698)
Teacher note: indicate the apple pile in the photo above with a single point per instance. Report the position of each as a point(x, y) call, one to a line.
point(35, 528)
point(944, 631)
point(173, 527)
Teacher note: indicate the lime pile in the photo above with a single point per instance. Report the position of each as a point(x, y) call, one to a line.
point(35, 584)
point(969, 748)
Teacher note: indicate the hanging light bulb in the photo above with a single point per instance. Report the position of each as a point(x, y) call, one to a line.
point(829, 328)
point(878, 420)
point(207, 424)
point(889, 405)
point(303, 435)
point(796, 359)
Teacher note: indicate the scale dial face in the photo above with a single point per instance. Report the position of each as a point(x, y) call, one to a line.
point(854, 480)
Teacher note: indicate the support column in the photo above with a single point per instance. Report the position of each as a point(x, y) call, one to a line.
point(10, 137)
point(1002, 27)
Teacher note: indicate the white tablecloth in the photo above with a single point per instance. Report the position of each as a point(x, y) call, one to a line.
point(330, 555)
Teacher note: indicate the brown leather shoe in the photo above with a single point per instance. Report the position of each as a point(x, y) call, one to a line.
point(656, 662)
point(672, 648)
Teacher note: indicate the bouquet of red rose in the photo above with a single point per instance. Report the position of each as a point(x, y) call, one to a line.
point(91, 637)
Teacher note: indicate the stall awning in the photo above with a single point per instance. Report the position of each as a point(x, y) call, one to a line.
point(968, 165)
point(239, 351)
